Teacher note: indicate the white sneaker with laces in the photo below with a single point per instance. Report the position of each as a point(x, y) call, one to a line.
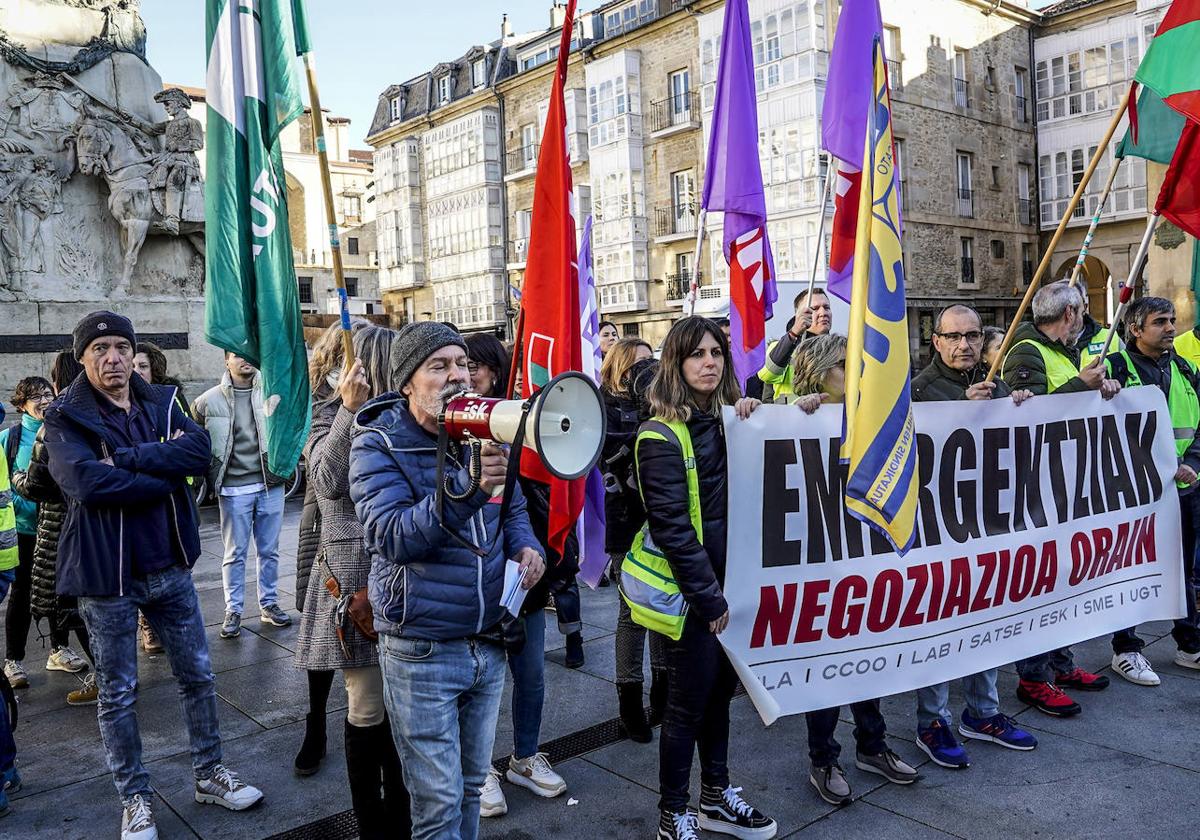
point(15, 671)
point(1187, 660)
point(1134, 667)
point(137, 821)
point(224, 788)
point(491, 797)
point(535, 774)
point(65, 659)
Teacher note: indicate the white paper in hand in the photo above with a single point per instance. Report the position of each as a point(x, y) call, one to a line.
point(513, 596)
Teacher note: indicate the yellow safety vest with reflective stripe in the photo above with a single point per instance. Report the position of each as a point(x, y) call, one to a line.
point(1187, 345)
point(8, 519)
point(1095, 347)
point(1182, 402)
point(1059, 369)
point(781, 382)
point(647, 582)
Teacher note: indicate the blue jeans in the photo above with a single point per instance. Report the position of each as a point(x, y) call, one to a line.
point(8, 747)
point(443, 699)
point(981, 694)
point(168, 600)
point(529, 686)
point(261, 515)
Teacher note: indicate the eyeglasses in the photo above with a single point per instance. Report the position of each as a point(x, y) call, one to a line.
point(972, 337)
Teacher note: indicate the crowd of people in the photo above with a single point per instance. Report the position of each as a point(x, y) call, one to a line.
point(405, 538)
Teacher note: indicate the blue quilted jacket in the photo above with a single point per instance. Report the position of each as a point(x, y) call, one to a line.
point(423, 583)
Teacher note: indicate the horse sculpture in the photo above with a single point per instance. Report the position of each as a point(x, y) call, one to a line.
point(106, 149)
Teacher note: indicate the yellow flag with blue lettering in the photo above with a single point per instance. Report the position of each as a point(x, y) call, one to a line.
point(879, 442)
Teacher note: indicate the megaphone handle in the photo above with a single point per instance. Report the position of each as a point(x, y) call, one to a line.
point(474, 473)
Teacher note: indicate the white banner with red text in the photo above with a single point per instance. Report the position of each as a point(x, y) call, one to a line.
point(1040, 525)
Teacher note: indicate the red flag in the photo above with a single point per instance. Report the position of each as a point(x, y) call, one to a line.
point(1179, 197)
point(550, 335)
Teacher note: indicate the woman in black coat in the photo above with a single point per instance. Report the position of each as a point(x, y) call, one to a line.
point(693, 383)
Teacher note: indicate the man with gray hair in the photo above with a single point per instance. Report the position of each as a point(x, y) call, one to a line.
point(1150, 360)
point(1044, 360)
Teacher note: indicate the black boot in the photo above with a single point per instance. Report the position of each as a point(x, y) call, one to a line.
point(574, 657)
point(366, 781)
point(312, 750)
point(658, 695)
point(396, 802)
point(633, 715)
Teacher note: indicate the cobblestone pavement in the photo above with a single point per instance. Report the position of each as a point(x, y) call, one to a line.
point(1128, 767)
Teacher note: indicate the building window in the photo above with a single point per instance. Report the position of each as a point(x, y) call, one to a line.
point(632, 330)
point(895, 59)
point(351, 287)
point(1026, 262)
point(960, 78)
point(478, 73)
point(967, 258)
point(306, 290)
point(997, 249)
point(352, 206)
point(680, 85)
point(1024, 208)
point(901, 157)
point(444, 90)
point(396, 108)
point(1020, 94)
point(966, 204)
point(995, 177)
point(352, 246)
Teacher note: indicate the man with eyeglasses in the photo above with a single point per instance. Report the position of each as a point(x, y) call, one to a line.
point(957, 372)
point(1044, 359)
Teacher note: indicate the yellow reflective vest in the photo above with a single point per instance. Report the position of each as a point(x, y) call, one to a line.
point(1182, 401)
point(1187, 345)
point(8, 518)
point(1059, 369)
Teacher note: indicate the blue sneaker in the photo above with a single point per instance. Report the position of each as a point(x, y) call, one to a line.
point(939, 743)
point(999, 729)
point(5, 810)
point(12, 780)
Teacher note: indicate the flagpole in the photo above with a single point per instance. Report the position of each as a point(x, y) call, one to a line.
point(694, 286)
point(1087, 240)
point(339, 279)
point(1135, 271)
point(1044, 265)
point(816, 263)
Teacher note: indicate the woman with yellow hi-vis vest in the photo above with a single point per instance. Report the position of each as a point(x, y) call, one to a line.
point(672, 576)
point(1150, 360)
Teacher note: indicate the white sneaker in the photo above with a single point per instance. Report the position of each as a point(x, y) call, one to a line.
point(491, 798)
point(1187, 660)
point(535, 774)
point(1135, 668)
point(227, 790)
point(65, 659)
point(137, 821)
point(15, 671)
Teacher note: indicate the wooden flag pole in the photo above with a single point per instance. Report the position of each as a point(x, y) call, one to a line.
point(1044, 265)
point(335, 246)
point(830, 174)
point(694, 284)
point(1087, 240)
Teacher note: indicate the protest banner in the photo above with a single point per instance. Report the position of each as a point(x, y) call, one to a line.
point(1040, 526)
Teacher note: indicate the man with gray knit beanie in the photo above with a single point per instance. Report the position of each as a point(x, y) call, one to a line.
point(437, 577)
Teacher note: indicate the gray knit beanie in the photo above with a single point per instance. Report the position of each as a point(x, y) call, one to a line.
point(417, 342)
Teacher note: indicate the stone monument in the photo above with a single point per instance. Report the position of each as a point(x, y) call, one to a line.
point(101, 197)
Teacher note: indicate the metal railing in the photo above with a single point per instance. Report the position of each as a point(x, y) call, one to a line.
point(1020, 109)
point(1025, 211)
point(895, 76)
point(673, 219)
point(966, 203)
point(960, 93)
point(677, 109)
point(678, 285)
point(968, 271)
point(522, 159)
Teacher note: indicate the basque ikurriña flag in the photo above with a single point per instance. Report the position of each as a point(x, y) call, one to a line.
point(549, 318)
point(879, 443)
point(251, 297)
point(843, 125)
point(733, 185)
point(593, 559)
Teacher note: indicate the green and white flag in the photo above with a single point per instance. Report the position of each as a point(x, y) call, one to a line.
point(252, 303)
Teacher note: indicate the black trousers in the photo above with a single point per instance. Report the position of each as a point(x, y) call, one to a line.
point(19, 617)
point(700, 686)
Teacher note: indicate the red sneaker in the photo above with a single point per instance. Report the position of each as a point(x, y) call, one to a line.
point(1082, 680)
point(1046, 697)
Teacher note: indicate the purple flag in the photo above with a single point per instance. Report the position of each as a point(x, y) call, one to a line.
point(733, 185)
point(592, 557)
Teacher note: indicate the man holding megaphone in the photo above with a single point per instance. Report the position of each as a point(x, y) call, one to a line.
point(440, 541)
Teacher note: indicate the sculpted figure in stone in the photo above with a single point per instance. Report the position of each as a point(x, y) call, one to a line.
point(38, 197)
point(176, 170)
point(42, 111)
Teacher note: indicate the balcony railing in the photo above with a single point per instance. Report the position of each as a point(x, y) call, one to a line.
point(1020, 109)
point(960, 93)
point(522, 159)
point(675, 219)
point(966, 203)
point(895, 76)
point(678, 285)
point(968, 271)
point(680, 109)
point(1025, 211)
point(1027, 272)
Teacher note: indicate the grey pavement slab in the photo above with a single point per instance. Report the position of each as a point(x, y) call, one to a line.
point(866, 821)
point(85, 810)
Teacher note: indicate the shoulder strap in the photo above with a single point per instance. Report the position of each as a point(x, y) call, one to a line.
point(1119, 365)
point(1188, 370)
point(12, 445)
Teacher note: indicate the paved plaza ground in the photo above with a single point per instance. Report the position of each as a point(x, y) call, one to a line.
point(1129, 767)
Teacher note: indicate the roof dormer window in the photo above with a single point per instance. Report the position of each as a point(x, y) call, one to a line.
point(444, 90)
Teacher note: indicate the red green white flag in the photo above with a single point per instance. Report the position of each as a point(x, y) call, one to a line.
point(1171, 66)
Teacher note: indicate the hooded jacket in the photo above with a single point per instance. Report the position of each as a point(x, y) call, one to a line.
point(94, 547)
point(423, 583)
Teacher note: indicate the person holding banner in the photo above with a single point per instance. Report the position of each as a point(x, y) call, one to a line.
point(956, 373)
point(680, 459)
point(1044, 359)
point(818, 376)
point(813, 317)
point(1150, 360)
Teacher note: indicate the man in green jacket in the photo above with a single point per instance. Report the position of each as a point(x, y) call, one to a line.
point(813, 317)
